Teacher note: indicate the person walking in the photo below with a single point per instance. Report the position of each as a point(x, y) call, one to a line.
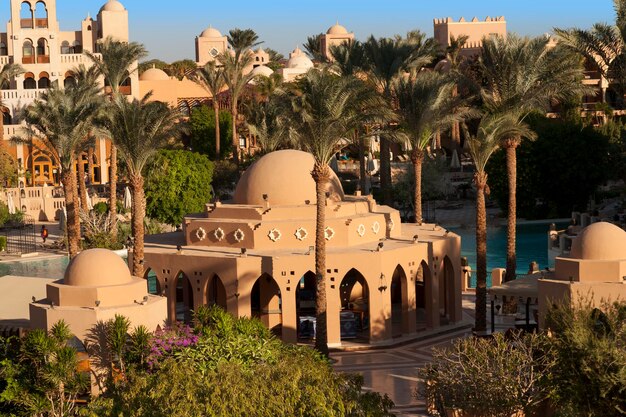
point(44, 233)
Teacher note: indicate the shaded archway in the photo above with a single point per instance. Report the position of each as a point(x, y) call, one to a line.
point(399, 303)
point(28, 52)
point(65, 48)
point(44, 80)
point(216, 292)
point(3, 49)
point(152, 283)
point(354, 317)
point(422, 279)
point(43, 52)
point(305, 306)
point(446, 291)
point(26, 16)
point(184, 298)
point(266, 303)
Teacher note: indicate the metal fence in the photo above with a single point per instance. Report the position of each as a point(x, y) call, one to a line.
point(20, 237)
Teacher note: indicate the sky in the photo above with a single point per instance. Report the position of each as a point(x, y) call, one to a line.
point(168, 28)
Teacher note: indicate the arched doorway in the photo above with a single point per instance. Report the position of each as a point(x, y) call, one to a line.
point(152, 282)
point(184, 298)
point(266, 303)
point(305, 305)
point(422, 277)
point(399, 303)
point(44, 171)
point(446, 291)
point(355, 315)
point(216, 292)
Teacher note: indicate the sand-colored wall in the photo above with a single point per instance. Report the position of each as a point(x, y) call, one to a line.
point(172, 90)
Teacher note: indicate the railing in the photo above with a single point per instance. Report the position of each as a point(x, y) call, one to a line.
point(28, 59)
point(76, 59)
point(5, 59)
point(26, 23)
point(12, 130)
point(43, 59)
point(41, 23)
point(30, 94)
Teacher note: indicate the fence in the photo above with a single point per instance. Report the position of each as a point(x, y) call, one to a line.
point(20, 237)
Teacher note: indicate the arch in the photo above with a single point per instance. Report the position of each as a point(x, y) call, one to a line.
point(6, 116)
point(77, 48)
point(266, 303)
point(28, 52)
point(26, 15)
point(354, 295)
point(152, 282)
point(400, 305)
point(69, 81)
point(44, 80)
point(184, 298)
point(446, 291)
point(305, 305)
point(41, 15)
point(423, 279)
point(44, 169)
point(65, 47)
point(43, 51)
point(216, 292)
point(4, 51)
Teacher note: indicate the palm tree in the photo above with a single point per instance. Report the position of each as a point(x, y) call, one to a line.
point(116, 62)
point(7, 73)
point(139, 128)
point(325, 108)
point(386, 59)
point(61, 120)
point(426, 106)
point(211, 78)
point(491, 130)
point(313, 47)
point(266, 121)
point(524, 75)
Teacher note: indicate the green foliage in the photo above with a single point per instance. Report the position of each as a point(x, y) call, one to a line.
point(101, 207)
point(225, 177)
point(433, 183)
point(8, 167)
point(563, 167)
point(202, 124)
point(3, 243)
point(171, 176)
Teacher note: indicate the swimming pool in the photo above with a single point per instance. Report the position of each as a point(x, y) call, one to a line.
point(532, 245)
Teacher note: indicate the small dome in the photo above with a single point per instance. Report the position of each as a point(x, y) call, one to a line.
point(301, 62)
point(97, 268)
point(285, 177)
point(262, 70)
point(337, 29)
point(154, 74)
point(211, 33)
point(113, 6)
point(601, 242)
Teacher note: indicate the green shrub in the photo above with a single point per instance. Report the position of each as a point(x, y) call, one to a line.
point(101, 207)
point(3, 243)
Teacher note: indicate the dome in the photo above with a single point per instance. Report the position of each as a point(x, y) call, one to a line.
point(262, 70)
point(210, 33)
point(285, 177)
point(302, 61)
point(154, 74)
point(601, 242)
point(337, 29)
point(97, 268)
point(113, 6)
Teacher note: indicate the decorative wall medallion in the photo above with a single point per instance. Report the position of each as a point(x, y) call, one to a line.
point(301, 234)
point(274, 235)
point(376, 228)
point(201, 234)
point(239, 235)
point(391, 225)
point(214, 52)
point(329, 233)
point(361, 230)
point(219, 234)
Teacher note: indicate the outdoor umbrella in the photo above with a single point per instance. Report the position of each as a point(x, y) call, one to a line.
point(128, 199)
point(10, 203)
point(455, 163)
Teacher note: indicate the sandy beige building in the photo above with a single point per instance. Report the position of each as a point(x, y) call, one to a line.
point(254, 256)
point(475, 30)
point(334, 36)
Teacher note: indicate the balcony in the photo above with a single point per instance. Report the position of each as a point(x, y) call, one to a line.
point(43, 59)
point(26, 23)
point(76, 59)
point(28, 59)
point(41, 23)
point(21, 95)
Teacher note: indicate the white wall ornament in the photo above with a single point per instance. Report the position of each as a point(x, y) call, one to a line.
point(361, 230)
point(201, 234)
point(329, 233)
point(301, 234)
point(219, 234)
point(239, 235)
point(376, 228)
point(274, 235)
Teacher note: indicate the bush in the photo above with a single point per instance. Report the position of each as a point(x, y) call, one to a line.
point(3, 243)
point(101, 208)
point(202, 123)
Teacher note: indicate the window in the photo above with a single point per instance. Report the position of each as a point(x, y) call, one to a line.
point(214, 52)
point(65, 47)
point(3, 49)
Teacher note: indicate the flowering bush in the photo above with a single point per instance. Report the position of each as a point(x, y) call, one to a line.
point(170, 340)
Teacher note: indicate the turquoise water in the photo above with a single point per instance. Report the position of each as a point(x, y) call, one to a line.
point(532, 245)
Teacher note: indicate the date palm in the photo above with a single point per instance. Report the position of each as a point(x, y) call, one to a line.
point(491, 131)
point(426, 106)
point(266, 120)
point(61, 121)
point(326, 108)
point(7, 73)
point(139, 128)
point(525, 75)
point(211, 78)
point(117, 61)
point(313, 47)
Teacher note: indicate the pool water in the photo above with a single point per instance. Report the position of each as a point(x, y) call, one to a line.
point(532, 245)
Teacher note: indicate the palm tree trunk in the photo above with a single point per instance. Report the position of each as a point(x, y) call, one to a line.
point(90, 165)
point(113, 193)
point(73, 233)
point(362, 167)
point(385, 171)
point(511, 170)
point(235, 138)
point(76, 199)
point(216, 108)
point(138, 211)
point(480, 324)
point(417, 157)
point(82, 187)
point(321, 175)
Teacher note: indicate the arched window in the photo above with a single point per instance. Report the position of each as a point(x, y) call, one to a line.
point(41, 15)
point(44, 80)
point(29, 81)
point(26, 16)
point(4, 51)
point(43, 56)
point(65, 47)
point(28, 52)
point(89, 28)
point(69, 80)
point(6, 117)
point(77, 48)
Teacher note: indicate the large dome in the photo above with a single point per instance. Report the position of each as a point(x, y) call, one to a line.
point(97, 268)
point(302, 61)
point(113, 6)
point(601, 242)
point(210, 33)
point(285, 177)
point(154, 74)
point(336, 29)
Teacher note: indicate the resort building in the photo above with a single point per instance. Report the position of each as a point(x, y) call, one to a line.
point(255, 256)
point(48, 55)
point(335, 35)
point(298, 64)
point(475, 30)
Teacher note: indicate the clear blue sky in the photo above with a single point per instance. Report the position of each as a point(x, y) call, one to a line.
point(168, 28)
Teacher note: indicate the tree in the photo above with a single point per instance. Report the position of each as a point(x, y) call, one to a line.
point(266, 121)
point(139, 128)
point(61, 120)
point(170, 176)
point(491, 130)
point(276, 59)
point(426, 106)
point(8, 167)
point(524, 75)
point(115, 64)
point(182, 68)
point(7, 73)
point(202, 131)
point(313, 47)
point(153, 63)
point(211, 78)
point(326, 108)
